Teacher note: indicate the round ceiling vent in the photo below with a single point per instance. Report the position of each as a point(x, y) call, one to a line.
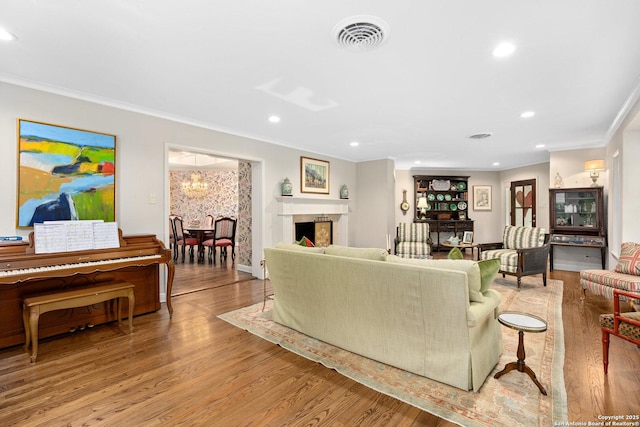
point(361, 33)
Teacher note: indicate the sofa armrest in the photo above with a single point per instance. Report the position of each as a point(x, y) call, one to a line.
point(533, 260)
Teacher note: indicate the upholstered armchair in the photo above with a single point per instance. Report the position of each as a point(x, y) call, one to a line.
point(626, 275)
point(523, 251)
point(412, 240)
point(621, 325)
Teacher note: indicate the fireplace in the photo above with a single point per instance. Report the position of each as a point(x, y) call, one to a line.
point(301, 209)
point(320, 231)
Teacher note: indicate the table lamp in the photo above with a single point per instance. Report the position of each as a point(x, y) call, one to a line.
point(422, 204)
point(593, 167)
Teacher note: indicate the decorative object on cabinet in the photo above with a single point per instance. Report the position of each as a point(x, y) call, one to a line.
point(481, 197)
point(286, 188)
point(344, 191)
point(594, 167)
point(446, 206)
point(404, 206)
point(87, 154)
point(314, 176)
point(557, 181)
point(577, 219)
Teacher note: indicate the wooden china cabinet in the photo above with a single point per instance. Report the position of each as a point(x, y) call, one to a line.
point(445, 206)
point(577, 219)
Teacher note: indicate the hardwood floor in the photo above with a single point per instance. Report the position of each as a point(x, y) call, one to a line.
point(195, 369)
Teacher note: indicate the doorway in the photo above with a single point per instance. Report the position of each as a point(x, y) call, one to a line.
point(523, 202)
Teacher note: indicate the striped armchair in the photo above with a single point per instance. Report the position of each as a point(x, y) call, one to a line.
point(523, 251)
point(413, 240)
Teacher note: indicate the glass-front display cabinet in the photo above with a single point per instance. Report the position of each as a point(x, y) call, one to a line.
point(577, 219)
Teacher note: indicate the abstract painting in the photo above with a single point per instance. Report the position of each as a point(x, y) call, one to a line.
point(64, 174)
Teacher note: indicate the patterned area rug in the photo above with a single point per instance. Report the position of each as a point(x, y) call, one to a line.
point(512, 400)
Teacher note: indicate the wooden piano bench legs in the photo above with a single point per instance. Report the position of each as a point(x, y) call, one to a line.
point(34, 306)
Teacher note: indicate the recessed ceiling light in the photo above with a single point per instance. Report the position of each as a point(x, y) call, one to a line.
point(354, 143)
point(540, 146)
point(417, 162)
point(504, 49)
point(274, 119)
point(527, 114)
point(6, 35)
point(496, 163)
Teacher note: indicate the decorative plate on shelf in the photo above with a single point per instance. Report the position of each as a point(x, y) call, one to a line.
point(431, 197)
point(454, 187)
point(447, 197)
point(428, 207)
point(440, 197)
point(462, 205)
point(441, 184)
point(453, 206)
point(462, 186)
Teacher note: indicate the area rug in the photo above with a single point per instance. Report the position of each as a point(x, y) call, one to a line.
point(512, 400)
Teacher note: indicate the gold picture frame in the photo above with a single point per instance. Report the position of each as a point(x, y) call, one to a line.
point(314, 176)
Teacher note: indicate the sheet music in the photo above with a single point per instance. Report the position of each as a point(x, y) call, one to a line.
point(105, 235)
point(47, 238)
point(68, 236)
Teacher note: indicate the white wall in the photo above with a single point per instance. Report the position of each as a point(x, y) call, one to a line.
point(141, 150)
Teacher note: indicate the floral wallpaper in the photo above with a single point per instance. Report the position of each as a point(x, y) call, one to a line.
point(243, 232)
point(229, 194)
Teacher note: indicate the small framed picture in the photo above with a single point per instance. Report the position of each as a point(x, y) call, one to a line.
point(467, 237)
point(481, 197)
point(314, 176)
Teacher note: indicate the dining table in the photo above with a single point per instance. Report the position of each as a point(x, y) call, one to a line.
point(200, 233)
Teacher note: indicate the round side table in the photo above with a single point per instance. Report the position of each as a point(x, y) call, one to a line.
point(522, 323)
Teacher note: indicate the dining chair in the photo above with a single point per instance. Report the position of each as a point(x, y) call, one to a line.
point(224, 236)
point(184, 240)
point(172, 237)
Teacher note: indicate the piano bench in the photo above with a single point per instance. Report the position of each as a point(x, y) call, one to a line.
point(34, 306)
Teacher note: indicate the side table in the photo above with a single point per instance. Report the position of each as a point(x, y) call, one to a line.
point(463, 246)
point(522, 323)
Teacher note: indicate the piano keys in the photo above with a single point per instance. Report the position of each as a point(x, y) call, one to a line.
point(24, 273)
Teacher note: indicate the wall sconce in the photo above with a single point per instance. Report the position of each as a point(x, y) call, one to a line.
point(422, 204)
point(196, 187)
point(593, 167)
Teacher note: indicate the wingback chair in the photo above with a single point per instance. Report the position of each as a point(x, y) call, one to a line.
point(621, 325)
point(523, 251)
point(412, 240)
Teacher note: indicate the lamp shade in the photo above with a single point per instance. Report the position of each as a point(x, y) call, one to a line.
point(422, 202)
point(594, 165)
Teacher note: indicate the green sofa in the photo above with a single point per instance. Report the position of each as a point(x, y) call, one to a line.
point(428, 317)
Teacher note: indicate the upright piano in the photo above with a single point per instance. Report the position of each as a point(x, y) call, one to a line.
point(24, 273)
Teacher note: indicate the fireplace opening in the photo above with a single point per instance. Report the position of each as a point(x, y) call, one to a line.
point(320, 231)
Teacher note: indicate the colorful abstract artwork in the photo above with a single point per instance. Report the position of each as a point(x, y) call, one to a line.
point(64, 174)
point(314, 176)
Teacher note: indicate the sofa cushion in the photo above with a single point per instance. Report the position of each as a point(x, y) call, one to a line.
point(488, 271)
point(520, 237)
point(297, 247)
point(455, 253)
point(470, 267)
point(508, 258)
point(629, 261)
point(603, 282)
point(375, 254)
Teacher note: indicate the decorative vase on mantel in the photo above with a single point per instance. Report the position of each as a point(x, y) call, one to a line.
point(286, 189)
point(344, 191)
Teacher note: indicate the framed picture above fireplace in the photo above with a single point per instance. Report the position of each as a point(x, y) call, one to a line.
point(314, 176)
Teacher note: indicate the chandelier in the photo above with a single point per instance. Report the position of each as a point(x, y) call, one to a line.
point(196, 187)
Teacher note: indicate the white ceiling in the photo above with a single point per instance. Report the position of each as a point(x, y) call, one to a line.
point(229, 65)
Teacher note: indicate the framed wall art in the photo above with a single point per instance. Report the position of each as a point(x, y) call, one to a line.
point(481, 197)
point(467, 237)
point(64, 174)
point(314, 176)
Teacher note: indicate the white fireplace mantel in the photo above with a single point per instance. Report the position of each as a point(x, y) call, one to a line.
point(287, 207)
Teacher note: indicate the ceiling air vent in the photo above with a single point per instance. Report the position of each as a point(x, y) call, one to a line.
point(361, 33)
point(480, 136)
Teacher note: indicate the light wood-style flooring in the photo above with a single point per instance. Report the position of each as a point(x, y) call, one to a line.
point(195, 369)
